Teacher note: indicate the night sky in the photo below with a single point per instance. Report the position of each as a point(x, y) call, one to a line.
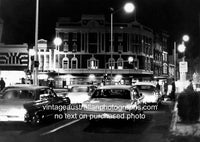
point(174, 16)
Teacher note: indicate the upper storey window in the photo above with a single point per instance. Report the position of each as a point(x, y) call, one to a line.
point(93, 63)
point(92, 42)
point(74, 63)
point(111, 63)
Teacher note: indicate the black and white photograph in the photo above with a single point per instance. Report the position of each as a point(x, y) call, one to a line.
point(99, 70)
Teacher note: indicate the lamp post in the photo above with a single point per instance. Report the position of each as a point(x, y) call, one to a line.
point(183, 67)
point(128, 8)
point(35, 79)
point(57, 42)
point(181, 48)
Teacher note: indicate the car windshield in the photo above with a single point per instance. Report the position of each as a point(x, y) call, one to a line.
point(146, 87)
point(112, 93)
point(80, 89)
point(18, 94)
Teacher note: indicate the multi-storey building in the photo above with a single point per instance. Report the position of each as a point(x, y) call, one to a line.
point(160, 55)
point(171, 66)
point(85, 53)
point(1, 28)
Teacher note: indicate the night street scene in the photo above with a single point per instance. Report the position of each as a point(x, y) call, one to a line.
point(99, 70)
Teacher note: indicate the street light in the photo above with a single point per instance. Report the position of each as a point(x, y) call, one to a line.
point(35, 79)
point(130, 59)
point(128, 8)
point(57, 41)
point(186, 38)
point(181, 48)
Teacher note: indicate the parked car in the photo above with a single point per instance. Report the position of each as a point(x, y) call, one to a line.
point(149, 91)
point(80, 93)
point(113, 102)
point(32, 104)
point(14, 86)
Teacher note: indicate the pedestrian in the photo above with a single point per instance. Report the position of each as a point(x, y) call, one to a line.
point(172, 94)
point(2, 83)
point(165, 87)
point(158, 85)
point(190, 86)
point(51, 84)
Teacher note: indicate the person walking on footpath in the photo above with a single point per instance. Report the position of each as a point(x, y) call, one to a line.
point(2, 83)
point(165, 86)
point(158, 85)
point(172, 94)
point(190, 87)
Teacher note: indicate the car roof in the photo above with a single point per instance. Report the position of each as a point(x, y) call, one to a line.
point(145, 83)
point(80, 85)
point(27, 87)
point(115, 87)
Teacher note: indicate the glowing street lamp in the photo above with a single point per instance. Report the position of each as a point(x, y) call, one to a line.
point(130, 59)
point(181, 48)
point(57, 41)
point(186, 38)
point(129, 7)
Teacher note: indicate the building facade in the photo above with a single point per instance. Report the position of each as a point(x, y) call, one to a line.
point(85, 53)
point(1, 28)
point(13, 62)
point(161, 55)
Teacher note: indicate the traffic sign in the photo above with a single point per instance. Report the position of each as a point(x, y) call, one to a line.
point(183, 66)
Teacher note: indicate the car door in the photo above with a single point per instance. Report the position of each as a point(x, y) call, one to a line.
point(52, 103)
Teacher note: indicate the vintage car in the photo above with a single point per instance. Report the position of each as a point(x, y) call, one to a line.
point(114, 102)
point(150, 93)
point(14, 86)
point(80, 93)
point(31, 104)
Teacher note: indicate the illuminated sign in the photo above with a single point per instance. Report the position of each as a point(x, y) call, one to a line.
point(13, 57)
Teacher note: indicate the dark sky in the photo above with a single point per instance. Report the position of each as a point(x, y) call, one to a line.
point(174, 16)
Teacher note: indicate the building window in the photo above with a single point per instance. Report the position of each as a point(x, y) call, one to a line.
point(41, 65)
point(66, 47)
point(74, 63)
point(74, 37)
point(120, 63)
point(92, 42)
point(65, 63)
point(74, 47)
point(165, 68)
point(120, 48)
point(165, 57)
point(47, 62)
point(111, 63)
point(93, 63)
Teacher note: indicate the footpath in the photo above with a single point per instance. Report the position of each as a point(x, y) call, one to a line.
point(183, 132)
